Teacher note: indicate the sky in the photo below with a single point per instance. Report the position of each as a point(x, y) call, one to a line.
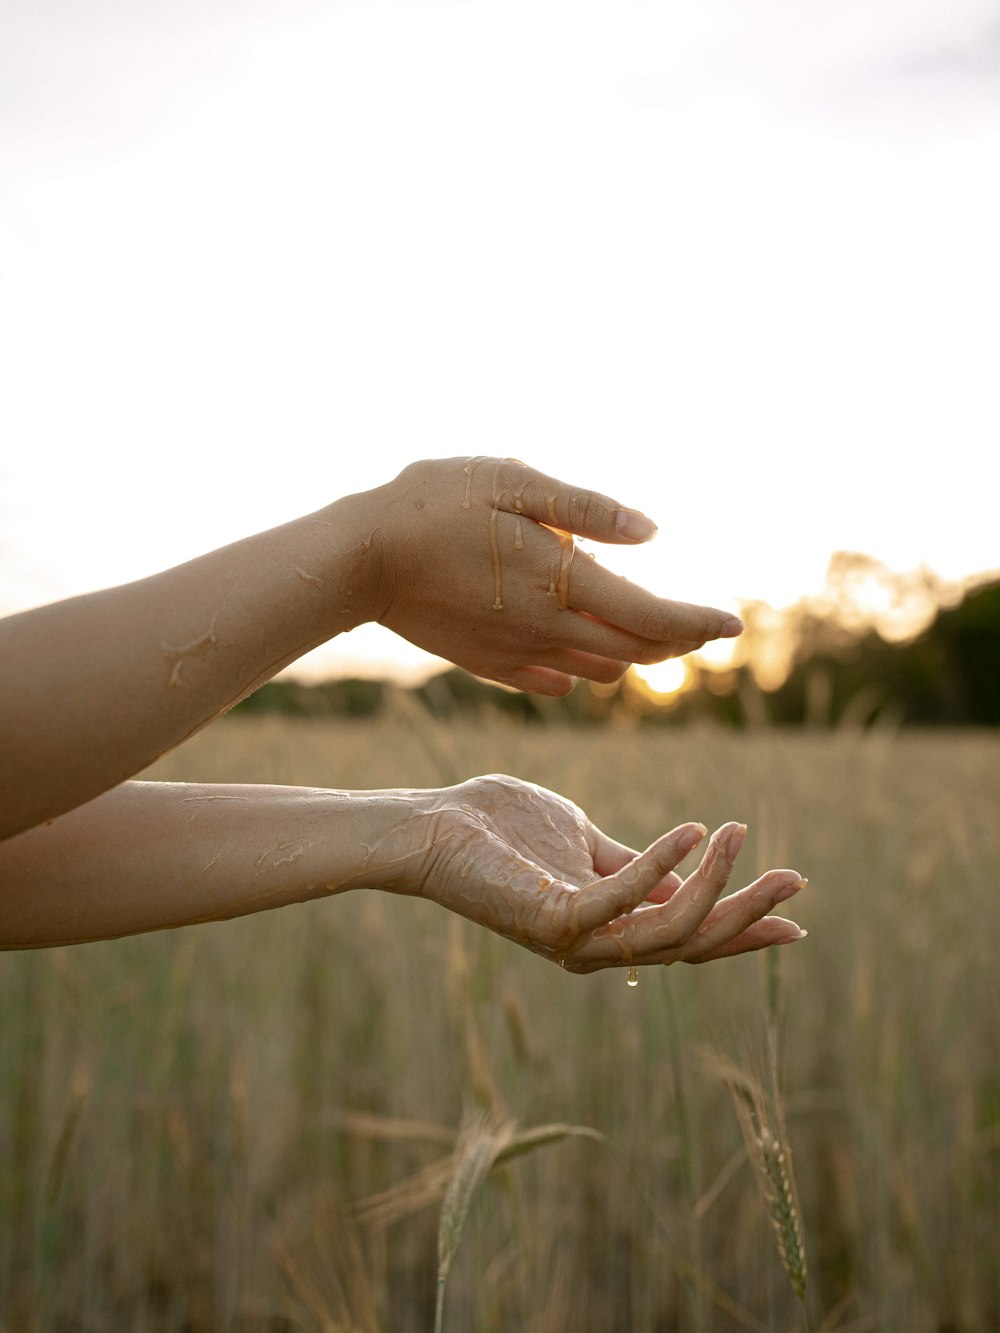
point(735, 264)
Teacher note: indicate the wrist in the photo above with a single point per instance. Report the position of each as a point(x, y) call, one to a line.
point(351, 539)
point(393, 843)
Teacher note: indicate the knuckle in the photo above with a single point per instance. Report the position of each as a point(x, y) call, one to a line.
point(653, 624)
point(512, 475)
point(585, 510)
point(565, 927)
point(675, 937)
point(536, 634)
point(625, 881)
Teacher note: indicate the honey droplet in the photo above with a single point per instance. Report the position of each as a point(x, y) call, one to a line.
point(633, 976)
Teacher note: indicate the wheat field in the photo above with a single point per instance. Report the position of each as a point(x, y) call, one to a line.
point(249, 1126)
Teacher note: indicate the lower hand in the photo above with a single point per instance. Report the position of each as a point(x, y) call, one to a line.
point(478, 565)
point(530, 865)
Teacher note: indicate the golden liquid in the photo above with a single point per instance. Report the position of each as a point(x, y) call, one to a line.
point(495, 551)
point(469, 468)
point(633, 976)
point(565, 560)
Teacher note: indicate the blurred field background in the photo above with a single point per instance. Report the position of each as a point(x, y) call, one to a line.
point(232, 1127)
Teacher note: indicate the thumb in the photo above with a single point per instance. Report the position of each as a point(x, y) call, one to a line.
point(574, 509)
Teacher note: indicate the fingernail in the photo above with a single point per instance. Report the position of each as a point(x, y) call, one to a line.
point(735, 841)
point(691, 838)
point(794, 939)
point(633, 526)
point(787, 890)
point(730, 628)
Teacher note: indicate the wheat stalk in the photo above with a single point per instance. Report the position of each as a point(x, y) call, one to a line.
point(425, 1186)
point(485, 1140)
point(772, 1167)
point(480, 1140)
point(762, 1124)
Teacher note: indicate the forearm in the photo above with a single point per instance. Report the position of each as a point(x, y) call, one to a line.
point(93, 689)
point(153, 855)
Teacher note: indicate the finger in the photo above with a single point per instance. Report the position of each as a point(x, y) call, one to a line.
point(676, 649)
point(648, 935)
point(522, 490)
point(609, 855)
point(768, 931)
point(538, 680)
point(558, 670)
point(572, 632)
point(600, 646)
point(608, 898)
point(653, 620)
point(695, 898)
point(699, 893)
point(734, 915)
point(589, 666)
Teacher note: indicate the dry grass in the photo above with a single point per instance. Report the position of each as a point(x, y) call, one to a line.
point(191, 1123)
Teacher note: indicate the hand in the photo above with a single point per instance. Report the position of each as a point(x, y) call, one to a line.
point(478, 565)
point(531, 866)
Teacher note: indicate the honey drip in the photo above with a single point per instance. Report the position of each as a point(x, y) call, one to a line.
point(495, 552)
point(565, 560)
point(469, 468)
point(633, 976)
point(518, 535)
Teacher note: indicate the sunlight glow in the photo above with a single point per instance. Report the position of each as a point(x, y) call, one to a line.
point(663, 679)
point(718, 654)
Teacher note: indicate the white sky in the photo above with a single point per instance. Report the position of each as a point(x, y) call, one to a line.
point(735, 263)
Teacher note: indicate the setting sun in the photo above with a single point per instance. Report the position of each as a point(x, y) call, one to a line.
point(663, 679)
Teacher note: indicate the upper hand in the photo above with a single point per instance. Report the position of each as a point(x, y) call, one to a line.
point(477, 564)
point(530, 865)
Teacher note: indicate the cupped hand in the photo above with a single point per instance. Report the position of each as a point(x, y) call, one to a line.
point(478, 565)
point(530, 865)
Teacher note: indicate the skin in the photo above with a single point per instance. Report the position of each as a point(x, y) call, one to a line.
point(468, 558)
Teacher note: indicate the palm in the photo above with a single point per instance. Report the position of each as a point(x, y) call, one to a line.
point(539, 825)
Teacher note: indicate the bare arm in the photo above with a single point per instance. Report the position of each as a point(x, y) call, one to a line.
point(507, 854)
point(154, 855)
point(468, 558)
point(96, 687)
